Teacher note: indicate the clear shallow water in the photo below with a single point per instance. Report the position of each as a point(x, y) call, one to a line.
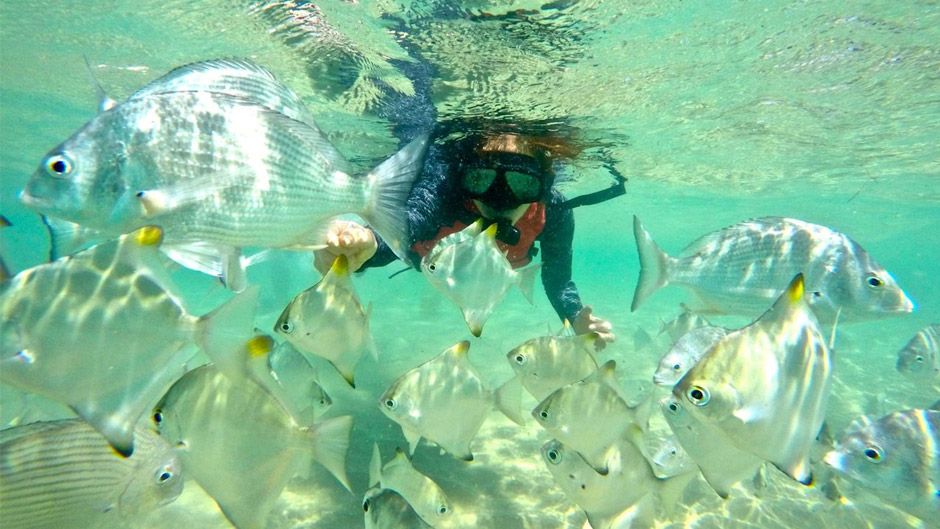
point(827, 113)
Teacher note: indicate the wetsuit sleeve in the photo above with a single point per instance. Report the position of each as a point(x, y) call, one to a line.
point(555, 244)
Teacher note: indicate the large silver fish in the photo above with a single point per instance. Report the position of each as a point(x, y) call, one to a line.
point(626, 497)
point(683, 354)
point(897, 458)
point(547, 363)
point(327, 320)
point(741, 268)
point(919, 360)
point(445, 401)
point(722, 463)
point(470, 270)
point(765, 387)
point(241, 444)
point(386, 509)
point(592, 416)
point(64, 474)
point(111, 318)
point(217, 170)
point(421, 492)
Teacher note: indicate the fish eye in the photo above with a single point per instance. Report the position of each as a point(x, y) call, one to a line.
point(164, 476)
point(873, 453)
point(673, 407)
point(432, 267)
point(366, 505)
point(919, 358)
point(59, 165)
point(553, 456)
point(520, 359)
point(544, 414)
point(158, 416)
point(442, 509)
point(391, 404)
point(874, 281)
point(698, 395)
point(286, 327)
point(676, 367)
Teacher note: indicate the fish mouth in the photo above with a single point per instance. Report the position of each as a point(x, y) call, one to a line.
point(31, 201)
point(905, 305)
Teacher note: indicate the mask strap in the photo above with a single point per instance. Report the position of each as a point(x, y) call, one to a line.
point(603, 195)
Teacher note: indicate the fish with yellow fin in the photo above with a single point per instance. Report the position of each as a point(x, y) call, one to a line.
point(592, 416)
point(547, 363)
point(240, 442)
point(328, 320)
point(471, 271)
point(112, 318)
point(765, 387)
point(421, 492)
point(445, 401)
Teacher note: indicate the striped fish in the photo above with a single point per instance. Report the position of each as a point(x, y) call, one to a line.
point(65, 474)
point(897, 458)
point(919, 360)
point(742, 268)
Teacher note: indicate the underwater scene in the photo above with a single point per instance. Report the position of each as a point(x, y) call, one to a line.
point(493, 264)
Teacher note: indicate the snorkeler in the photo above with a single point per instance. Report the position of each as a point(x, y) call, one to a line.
point(491, 172)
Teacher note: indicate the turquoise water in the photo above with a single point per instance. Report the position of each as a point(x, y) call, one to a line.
point(826, 112)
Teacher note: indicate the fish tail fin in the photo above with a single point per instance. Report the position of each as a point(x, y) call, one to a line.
point(509, 400)
point(330, 444)
point(225, 330)
point(387, 208)
point(526, 277)
point(375, 466)
point(654, 265)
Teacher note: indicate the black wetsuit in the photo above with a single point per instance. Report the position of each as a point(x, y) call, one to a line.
point(437, 200)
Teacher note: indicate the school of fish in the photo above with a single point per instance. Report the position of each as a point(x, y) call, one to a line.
point(217, 164)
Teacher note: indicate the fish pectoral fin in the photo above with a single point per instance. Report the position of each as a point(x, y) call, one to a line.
point(508, 398)
point(162, 200)
point(68, 237)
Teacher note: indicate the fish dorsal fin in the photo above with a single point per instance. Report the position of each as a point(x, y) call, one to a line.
point(105, 103)
point(458, 351)
point(375, 466)
point(787, 303)
point(340, 265)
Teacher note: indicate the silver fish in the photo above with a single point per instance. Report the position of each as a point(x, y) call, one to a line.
point(722, 463)
point(685, 322)
point(741, 268)
point(919, 360)
point(471, 271)
point(386, 509)
point(766, 386)
point(420, 491)
point(111, 317)
point(217, 172)
point(687, 350)
point(328, 321)
point(299, 379)
point(670, 459)
point(897, 458)
point(241, 444)
point(626, 496)
point(445, 401)
point(64, 474)
point(547, 363)
point(592, 416)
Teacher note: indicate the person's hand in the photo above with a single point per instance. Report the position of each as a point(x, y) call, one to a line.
point(586, 322)
point(351, 239)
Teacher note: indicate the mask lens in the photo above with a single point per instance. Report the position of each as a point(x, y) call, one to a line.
point(477, 181)
point(526, 187)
